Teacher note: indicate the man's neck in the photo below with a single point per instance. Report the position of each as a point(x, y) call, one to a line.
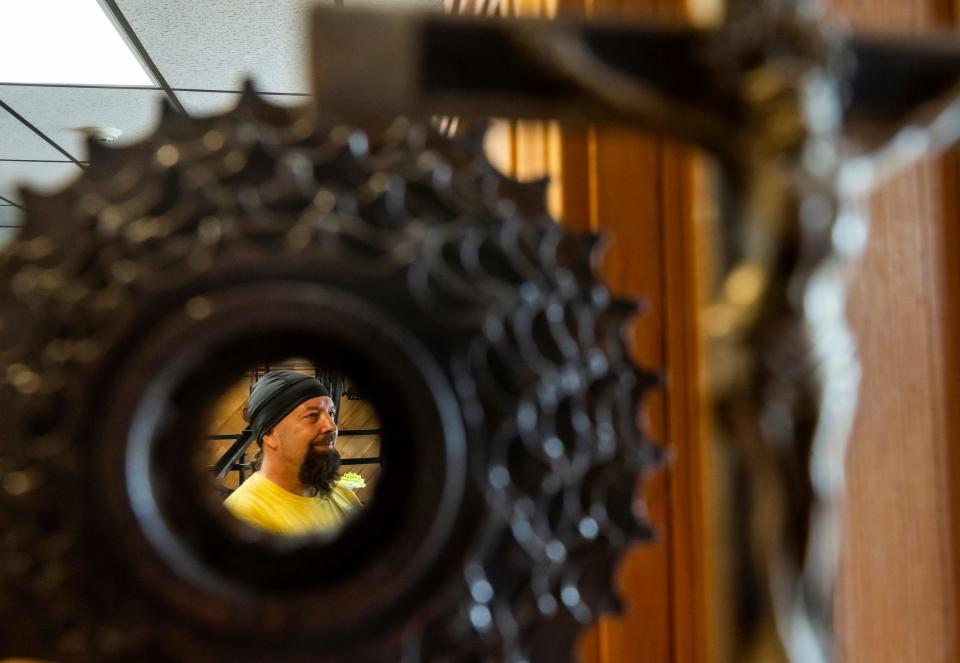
point(281, 476)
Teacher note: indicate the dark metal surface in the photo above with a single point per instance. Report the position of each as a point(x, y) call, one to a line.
point(235, 451)
point(473, 323)
point(373, 460)
point(425, 63)
point(32, 127)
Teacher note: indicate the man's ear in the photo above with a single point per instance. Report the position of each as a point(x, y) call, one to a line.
point(269, 439)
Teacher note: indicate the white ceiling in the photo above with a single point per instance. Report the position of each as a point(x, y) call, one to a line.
point(211, 45)
point(19, 142)
point(203, 50)
point(59, 112)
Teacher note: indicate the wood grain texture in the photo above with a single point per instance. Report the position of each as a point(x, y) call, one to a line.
point(898, 592)
point(637, 190)
point(684, 183)
point(898, 587)
point(651, 225)
point(629, 212)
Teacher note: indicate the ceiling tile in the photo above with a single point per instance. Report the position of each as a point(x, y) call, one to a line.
point(40, 176)
point(9, 215)
point(60, 112)
point(19, 142)
point(214, 45)
point(211, 103)
point(210, 45)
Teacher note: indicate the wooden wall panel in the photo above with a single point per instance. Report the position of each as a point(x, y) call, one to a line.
point(898, 592)
point(685, 180)
point(641, 197)
point(637, 190)
point(628, 208)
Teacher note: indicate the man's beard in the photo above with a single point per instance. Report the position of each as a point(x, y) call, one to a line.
point(319, 471)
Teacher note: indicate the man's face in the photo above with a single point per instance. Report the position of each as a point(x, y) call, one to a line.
point(309, 428)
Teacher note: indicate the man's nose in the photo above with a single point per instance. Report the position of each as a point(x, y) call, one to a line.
point(327, 424)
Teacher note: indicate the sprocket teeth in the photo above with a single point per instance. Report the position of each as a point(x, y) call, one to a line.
point(471, 139)
point(43, 213)
point(623, 309)
point(249, 102)
point(592, 241)
point(456, 244)
point(657, 456)
point(530, 197)
point(248, 90)
point(647, 380)
point(97, 150)
point(109, 162)
point(465, 148)
point(580, 254)
point(39, 212)
point(254, 106)
point(643, 530)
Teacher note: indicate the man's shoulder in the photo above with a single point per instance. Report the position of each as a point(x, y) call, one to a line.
point(248, 491)
point(249, 504)
point(345, 493)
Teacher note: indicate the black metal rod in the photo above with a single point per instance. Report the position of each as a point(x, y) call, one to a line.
point(39, 161)
point(29, 125)
point(130, 34)
point(374, 460)
point(236, 450)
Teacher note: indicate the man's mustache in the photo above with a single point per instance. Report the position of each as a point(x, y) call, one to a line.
point(327, 439)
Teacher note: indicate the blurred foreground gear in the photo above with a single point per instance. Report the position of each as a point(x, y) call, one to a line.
point(509, 399)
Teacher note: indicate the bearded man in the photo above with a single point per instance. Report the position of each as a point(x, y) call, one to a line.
point(296, 489)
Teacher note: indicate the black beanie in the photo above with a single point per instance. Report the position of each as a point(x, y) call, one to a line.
point(275, 396)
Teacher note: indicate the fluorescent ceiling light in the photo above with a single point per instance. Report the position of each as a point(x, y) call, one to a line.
point(68, 42)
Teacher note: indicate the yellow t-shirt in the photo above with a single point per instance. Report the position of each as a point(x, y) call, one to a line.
point(264, 504)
